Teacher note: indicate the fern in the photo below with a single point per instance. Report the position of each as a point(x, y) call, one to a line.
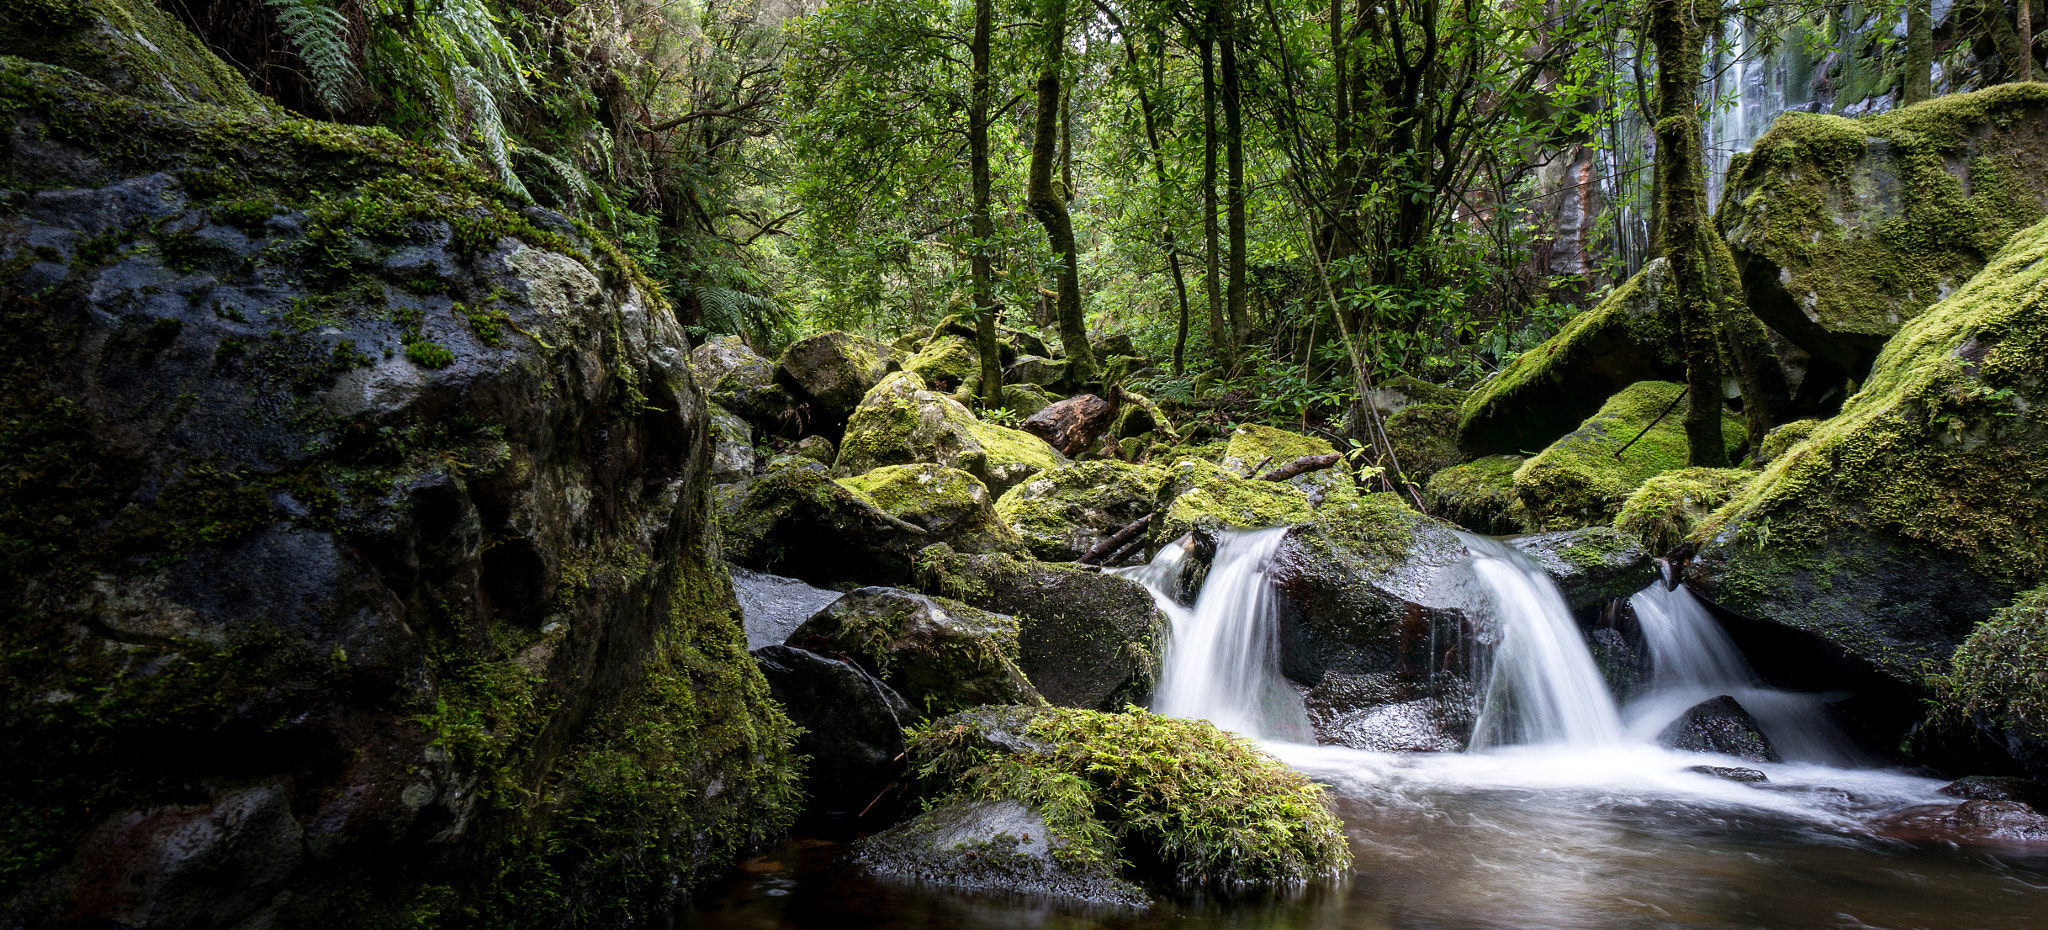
point(320, 35)
point(489, 126)
point(730, 310)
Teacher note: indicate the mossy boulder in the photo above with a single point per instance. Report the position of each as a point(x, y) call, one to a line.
point(1255, 450)
point(1063, 512)
point(1167, 803)
point(1027, 399)
point(1478, 495)
point(1782, 438)
point(1663, 512)
point(1040, 370)
point(1901, 523)
point(950, 505)
point(941, 655)
point(796, 521)
point(949, 364)
point(1208, 497)
point(1998, 681)
point(830, 372)
point(900, 422)
point(732, 447)
point(1581, 481)
point(742, 382)
point(1545, 392)
point(1845, 229)
point(1400, 392)
point(1425, 441)
point(132, 48)
point(1002, 846)
point(355, 533)
point(1591, 566)
point(1086, 639)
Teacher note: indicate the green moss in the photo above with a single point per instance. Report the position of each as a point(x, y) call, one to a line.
point(1203, 807)
point(941, 655)
point(1783, 437)
point(1208, 497)
point(428, 354)
point(1999, 676)
point(1583, 479)
point(129, 45)
point(1373, 534)
point(1478, 495)
point(1254, 450)
point(948, 360)
point(1425, 441)
point(1061, 512)
point(947, 502)
point(1664, 510)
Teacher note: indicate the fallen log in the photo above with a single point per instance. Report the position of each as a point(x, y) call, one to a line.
point(1303, 465)
point(1115, 541)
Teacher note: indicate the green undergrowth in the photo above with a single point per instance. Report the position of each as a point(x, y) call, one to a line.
point(1177, 800)
point(1999, 677)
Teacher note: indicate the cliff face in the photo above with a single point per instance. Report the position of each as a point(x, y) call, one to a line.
point(353, 535)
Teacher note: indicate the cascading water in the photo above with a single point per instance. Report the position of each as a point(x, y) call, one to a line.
point(1222, 663)
point(1543, 686)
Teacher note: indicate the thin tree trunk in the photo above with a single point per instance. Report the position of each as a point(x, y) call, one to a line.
point(1233, 139)
point(984, 223)
point(1050, 207)
point(1219, 333)
point(1918, 80)
point(1180, 283)
point(1675, 33)
point(2026, 29)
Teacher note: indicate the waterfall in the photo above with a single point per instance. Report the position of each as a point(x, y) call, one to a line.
point(1223, 661)
point(1692, 659)
point(1542, 685)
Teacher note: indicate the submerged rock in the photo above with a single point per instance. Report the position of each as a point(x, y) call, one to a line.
point(994, 846)
point(942, 656)
point(900, 422)
point(1900, 524)
point(1063, 512)
point(1591, 566)
point(1583, 478)
point(1478, 495)
point(1085, 639)
point(1719, 726)
point(1731, 773)
point(774, 606)
point(852, 726)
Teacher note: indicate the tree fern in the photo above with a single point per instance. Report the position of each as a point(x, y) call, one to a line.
point(320, 35)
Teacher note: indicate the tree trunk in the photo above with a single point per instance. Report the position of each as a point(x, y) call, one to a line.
point(984, 224)
point(1918, 81)
point(2026, 30)
point(1050, 207)
point(1233, 139)
point(1673, 31)
point(1219, 334)
point(1180, 282)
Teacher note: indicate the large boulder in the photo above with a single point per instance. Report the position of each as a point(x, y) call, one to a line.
point(1585, 477)
point(744, 383)
point(830, 372)
point(1063, 512)
point(939, 654)
point(852, 727)
point(797, 521)
point(1845, 229)
point(950, 505)
point(1085, 639)
point(1591, 566)
point(900, 422)
point(1901, 523)
point(949, 364)
point(1546, 391)
point(354, 528)
point(1478, 495)
point(1073, 425)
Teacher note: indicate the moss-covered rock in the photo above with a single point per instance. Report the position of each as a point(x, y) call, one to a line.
point(744, 383)
point(941, 655)
point(1782, 438)
point(1027, 399)
point(1086, 639)
point(1580, 481)
point(1425, 441)
point(1137, 416)
point(132, 48)
point(1255, 450)
point(1002, 846)
point(1063, 512)
point(1479, 495)
point(1167, 802)
point(831, 372)
point(900, 422)
point(1998, 680)
point(1591, 566)
point(354, 536)
point(1844, 230)
point(796, 521)
point(1547, 391)
point(951, 505)
point(1901, 523)
point(1400, 392)
point(1663, 512)
point(949, 364)
point(1209, 498)
point(732, 447)
point(1040, 370)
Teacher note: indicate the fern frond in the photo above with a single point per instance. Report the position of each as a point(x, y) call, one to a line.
point(730, 310)
point(489, 126)
point(319, 33)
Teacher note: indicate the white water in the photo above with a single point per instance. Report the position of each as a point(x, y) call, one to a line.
point(1543, 687)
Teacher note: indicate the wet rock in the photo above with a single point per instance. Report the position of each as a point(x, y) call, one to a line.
point(1085, 639)
point(830, 373)
point(1665, 509)
point(1366, 712)
point(1996, 788)
point(1580, 481)
point(992, 846)
point(2001, 820)
point(1478, 495)
point(1208, 499)
point(1719, 726)
point(732, 447)
point(853, 726)
point(1425, 441)
point(1064, 512)
point(796, 521)
point(941, 655)
point(1073, 425)
point(774, 606)
point(900, 422)
point(1731, 773)
point(950, 505)
point(1256, 450)
point(1591, 566)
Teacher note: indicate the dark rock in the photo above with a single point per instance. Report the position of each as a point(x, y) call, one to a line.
point(1072, 425)
point(1731, 773)
point(774, 606)
point(816, 448)
point(2001, 820)
point(1425, 441)
point(853, 726)
point(830, 372)
point(1367, 712)
point(744, 383)
point(1114, 344)
point(1591, 566)
point(992, 846)
point(941, 655)
point(1478, 495)
point(1996, 788)
point(1719, 726)
point(1085, 639)
point(1033, 369)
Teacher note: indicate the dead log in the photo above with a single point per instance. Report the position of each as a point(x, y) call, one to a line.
point(1303, 465)
point(1072, 425)
point(1115, 541)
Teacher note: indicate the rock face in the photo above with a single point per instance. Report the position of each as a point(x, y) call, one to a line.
point(950, 505)
point(355, 523)
point(830, 372)
point(1901, 523)
point(1545, 392)
point(1591, 566)
point(942, 656)
point(1580, 481)
point(1085, 639)
point(1844, 230)
point(853, 727)
point(1425, 440)
point(1719, 726)
point(1063, 512)
point(1073, 425)
point(900, 422)
point(774, 606)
